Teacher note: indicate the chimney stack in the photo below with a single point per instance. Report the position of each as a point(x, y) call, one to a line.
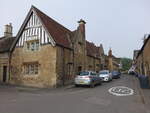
point(8, 30)
point(82, 25)
point(110, 53)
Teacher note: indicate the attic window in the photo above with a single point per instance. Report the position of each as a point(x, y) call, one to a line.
point(33, 46)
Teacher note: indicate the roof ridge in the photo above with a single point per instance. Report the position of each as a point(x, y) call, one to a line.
point(57, 31)
point(51, 18)
point(143, 46)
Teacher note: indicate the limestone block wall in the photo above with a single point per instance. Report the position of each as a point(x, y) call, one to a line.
point(79, 47)
point(46, 58)
point(110, 63)
point(139, 64)
point(4, 61)
point(97, 65)
point(146, 58)
point(92, 64)
point(64, 66)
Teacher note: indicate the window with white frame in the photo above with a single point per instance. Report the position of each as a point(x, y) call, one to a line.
point(33, 45)
point(31, 68)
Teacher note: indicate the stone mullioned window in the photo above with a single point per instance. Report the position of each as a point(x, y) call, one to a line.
point(31, 68)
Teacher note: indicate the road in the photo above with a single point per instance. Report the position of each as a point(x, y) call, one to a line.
point(71, 99)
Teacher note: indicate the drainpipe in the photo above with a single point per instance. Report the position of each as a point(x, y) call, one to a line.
point(63, 78)
point(142, 63)
point(73, 60)
point(9, 65)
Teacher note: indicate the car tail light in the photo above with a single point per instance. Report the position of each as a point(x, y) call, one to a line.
point(88, 77)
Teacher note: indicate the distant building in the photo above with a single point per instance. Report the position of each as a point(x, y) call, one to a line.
point(112, 62)
point(135, 54)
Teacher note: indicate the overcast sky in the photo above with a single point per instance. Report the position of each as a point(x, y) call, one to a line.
point(119, 24)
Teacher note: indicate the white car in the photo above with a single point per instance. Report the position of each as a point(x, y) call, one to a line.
point(105, 75)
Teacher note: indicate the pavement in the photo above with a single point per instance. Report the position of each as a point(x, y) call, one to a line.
point(145, 94)
point(16, 99)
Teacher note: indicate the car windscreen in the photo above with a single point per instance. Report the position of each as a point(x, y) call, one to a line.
point(84, 73)
point(103, 72)
point(114, 72)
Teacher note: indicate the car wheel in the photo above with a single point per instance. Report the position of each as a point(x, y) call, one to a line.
point(100, 83)
point(76, 85)
point(92, 85)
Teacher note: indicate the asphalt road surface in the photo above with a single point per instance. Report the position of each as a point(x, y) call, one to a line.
point(72, 99)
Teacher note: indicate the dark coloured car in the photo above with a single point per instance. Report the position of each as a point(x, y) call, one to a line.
point(115, 74)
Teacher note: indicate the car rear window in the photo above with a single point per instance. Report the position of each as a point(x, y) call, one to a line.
point(84, 73)
point(103, 72)
point(92, 73)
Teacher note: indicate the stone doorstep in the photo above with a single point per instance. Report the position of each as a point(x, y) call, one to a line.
point(145, 95)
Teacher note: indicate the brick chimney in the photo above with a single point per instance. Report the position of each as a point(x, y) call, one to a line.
point(8, 30)
point(82, 26)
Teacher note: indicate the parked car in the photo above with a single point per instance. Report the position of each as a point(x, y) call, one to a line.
point(89, 78)
point(115, 74)
point(131, 72)
point(105, 75)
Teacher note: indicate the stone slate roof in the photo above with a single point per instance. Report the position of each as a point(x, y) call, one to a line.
point(56, 30)
point(92, 50)
point(5, 43)
point(140, 51)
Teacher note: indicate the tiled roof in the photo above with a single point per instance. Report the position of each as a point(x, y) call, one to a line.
point(56, 30)
point(5, 43)
point(92, 50)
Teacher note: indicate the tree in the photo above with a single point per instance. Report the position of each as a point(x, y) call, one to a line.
point(126, 63)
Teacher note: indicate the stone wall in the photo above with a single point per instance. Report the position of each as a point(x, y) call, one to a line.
point(93, 64)
point(64, 66)
point(79, 46)
point(146, 58)
point(46, 58)
point(139, 64)
point(4, 62)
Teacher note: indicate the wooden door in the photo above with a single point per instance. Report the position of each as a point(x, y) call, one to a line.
point(4, 73)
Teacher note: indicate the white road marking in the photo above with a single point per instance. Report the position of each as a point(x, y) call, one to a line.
point(121, 91)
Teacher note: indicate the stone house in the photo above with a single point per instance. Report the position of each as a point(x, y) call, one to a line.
point(143, 58)
point(135, 53)
point(5, 44)
point(46, 54)
point(112, 62)
point(95, 56)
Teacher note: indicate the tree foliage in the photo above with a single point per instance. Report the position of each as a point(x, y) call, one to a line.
point(126, 63)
